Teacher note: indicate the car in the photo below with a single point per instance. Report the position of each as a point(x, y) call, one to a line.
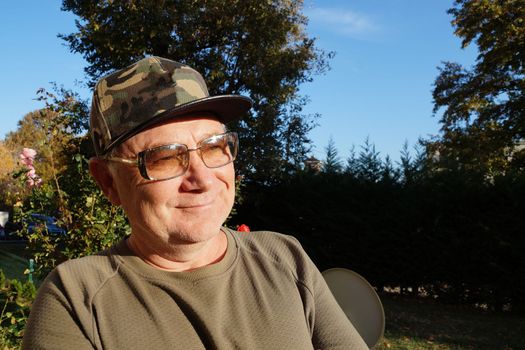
point(10, 232)
point(40, 220)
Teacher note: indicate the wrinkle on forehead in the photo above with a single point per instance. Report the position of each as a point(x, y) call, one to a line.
point(128, 149)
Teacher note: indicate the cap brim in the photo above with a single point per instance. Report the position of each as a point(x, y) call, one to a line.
point(226, 107)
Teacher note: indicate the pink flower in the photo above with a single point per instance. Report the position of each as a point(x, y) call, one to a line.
point(31, 173)
point(243, 228)
point(27, 153)
point(28, 162)
point(33, 181)
point(27, 156)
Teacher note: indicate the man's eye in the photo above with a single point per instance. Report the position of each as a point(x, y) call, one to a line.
point(164, 157)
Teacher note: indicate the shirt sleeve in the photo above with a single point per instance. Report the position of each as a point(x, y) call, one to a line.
point(331, 328)
point(52, 322)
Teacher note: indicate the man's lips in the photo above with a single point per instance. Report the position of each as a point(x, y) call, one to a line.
point(194, 205)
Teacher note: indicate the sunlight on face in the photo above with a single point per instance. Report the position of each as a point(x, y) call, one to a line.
point(187, 209)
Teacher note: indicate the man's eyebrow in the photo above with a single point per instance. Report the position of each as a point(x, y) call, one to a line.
point(203, 137)
point(209, 134)
point(160, 144)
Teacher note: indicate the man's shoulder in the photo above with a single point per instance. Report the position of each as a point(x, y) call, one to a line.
point(88, 271)
point(98, 260)
point(274, 246)
point(267, 240)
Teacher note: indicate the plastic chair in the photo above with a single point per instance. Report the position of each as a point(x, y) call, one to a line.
point(359, 301)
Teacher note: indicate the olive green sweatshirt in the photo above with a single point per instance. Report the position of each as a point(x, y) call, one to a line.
point(264, 294)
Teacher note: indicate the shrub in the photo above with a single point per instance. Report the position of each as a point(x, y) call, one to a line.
point(15, 300)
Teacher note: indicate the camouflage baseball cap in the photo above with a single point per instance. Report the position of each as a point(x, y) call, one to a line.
point(149, 91)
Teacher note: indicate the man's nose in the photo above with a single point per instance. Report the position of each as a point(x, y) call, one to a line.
point(198, 177)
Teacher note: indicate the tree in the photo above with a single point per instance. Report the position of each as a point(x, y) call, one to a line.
point(6, 159)
point(389, 174)
point(369, 166)
point(332, 163)
point(351, 163)
point(50, 131)
point(412, 168)
point(258, 48)
point(33, 132)
point(8, 162)
point(484, 106)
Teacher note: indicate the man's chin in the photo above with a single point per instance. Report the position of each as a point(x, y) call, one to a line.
point(194, 234)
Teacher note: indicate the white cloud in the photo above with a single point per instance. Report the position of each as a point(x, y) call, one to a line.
point(344, 22)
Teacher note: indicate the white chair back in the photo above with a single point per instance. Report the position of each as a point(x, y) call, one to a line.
point(359, 301)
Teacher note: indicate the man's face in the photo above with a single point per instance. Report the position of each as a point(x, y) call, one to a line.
point(187, 209)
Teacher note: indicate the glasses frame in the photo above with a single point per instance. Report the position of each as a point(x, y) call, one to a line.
point(140, 160)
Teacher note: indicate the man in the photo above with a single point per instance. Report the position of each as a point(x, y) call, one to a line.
point(181, 280)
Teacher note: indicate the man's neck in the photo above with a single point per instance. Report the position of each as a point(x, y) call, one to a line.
point(179, 257)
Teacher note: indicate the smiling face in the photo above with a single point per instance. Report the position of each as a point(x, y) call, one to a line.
point(187, 209)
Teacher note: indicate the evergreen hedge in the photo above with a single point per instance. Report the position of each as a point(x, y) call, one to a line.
point(447, 235)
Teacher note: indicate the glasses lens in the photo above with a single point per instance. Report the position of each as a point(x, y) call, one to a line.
point(219, 150)
point(166, 161)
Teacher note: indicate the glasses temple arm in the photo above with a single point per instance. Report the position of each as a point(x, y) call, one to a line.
point(122, 160)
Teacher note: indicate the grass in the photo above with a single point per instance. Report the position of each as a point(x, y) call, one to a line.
point(423, 324)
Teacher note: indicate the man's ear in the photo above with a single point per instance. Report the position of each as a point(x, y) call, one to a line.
point(100, 171)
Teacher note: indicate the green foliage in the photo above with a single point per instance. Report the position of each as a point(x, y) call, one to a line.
point(389, 173)
point(332, 163)
point(253, 47)
point(351, 162)
point(8, 161)
point(369, 165)
point(91, 222)
point(50, 131)
point(483, 106)
point(411, 169)
point(239, 197)
point(70, 194)
point(15, 300)
point(442, 233)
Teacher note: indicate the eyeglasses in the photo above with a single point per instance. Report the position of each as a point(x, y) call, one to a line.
point(170, 161)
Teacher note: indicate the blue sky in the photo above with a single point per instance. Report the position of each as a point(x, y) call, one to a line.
point(387, 53)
